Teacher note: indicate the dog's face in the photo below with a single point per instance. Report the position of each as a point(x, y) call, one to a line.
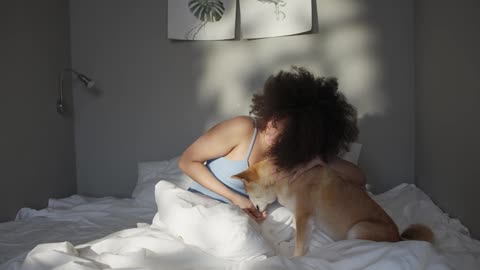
point(259, 184)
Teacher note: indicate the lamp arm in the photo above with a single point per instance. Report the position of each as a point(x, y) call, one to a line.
point(72, 70)
point(60, 103)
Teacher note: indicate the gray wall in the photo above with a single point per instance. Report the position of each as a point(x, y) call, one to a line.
point(36, 145)
point(155, 96)
point(448, 106)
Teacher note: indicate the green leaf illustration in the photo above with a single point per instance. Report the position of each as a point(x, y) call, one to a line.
point(207, 10)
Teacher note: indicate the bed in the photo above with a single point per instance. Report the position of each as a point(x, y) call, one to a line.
point(164, 226)
point(77, 219)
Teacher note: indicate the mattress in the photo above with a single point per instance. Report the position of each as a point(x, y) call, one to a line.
point(76, 219)
point(189, 231)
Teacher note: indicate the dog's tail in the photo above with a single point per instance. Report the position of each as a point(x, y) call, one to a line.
point(418, 232)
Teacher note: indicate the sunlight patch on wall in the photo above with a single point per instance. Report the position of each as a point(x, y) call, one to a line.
point(351, 52)
point(234, 71)
point(335, 12)
point(345, 47)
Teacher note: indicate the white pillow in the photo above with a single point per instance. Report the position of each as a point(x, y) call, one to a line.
point(353, 154)
point(158, 169)
point(149, 173)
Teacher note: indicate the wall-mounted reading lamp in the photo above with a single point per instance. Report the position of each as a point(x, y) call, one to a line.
point(89, 83)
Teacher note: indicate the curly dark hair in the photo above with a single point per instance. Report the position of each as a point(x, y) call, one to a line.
point(319, 122)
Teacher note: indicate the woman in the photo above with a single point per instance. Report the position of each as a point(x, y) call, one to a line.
point(297, 118)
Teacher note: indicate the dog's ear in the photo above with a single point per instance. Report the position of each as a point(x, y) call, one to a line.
point(241, 176)
point(246, 176)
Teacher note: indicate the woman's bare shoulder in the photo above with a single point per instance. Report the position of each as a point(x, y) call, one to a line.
point(240, 125)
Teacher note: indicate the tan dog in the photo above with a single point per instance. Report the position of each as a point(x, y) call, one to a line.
point(340, 208)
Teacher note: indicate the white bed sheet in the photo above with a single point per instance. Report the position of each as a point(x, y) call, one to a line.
point(161, 246)
point(77, 219)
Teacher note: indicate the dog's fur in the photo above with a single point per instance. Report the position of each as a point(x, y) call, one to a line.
point(342, 209)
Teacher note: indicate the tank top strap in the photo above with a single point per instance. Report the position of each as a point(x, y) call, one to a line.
point(252, 142)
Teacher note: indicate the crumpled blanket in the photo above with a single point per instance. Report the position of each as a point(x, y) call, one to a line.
point(191, 231)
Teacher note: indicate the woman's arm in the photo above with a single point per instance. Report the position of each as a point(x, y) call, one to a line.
point(218, 142)
point(348, 171)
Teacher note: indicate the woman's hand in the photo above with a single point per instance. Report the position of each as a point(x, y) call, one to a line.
point(247, 206)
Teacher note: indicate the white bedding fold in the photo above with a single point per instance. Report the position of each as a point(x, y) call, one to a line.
point(194, 232)
point(217, 228)
point(76, 219)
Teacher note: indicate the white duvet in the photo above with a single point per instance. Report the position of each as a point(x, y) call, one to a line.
point(194, 232)
point(77, 219)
